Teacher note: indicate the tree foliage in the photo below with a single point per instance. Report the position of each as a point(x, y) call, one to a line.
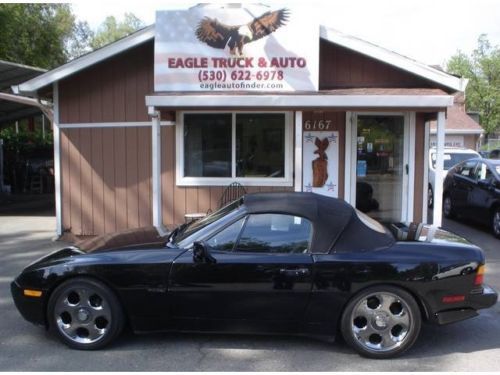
point(48, 35)
point(35, 34)
point(482, 68)
point(111, 30)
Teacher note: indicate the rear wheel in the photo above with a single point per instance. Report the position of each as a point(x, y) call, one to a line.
point(381, 322)
point(495, 222)
point(447, 207)
point(85, 314)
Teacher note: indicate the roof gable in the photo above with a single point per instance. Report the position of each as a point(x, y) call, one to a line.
point(378, 53)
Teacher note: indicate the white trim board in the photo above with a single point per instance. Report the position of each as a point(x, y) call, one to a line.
point(112, 124)
point(393, 58)
point(57, 161)
point(459, 131)
point(301, 101)
point(92, 58)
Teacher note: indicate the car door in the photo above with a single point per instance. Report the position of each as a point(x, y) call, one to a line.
point(463, 182)
point(261, 277)
point(481, 195)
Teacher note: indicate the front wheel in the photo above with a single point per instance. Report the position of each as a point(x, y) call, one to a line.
point(85, 314)
point(381, 322)
point(447, 207)
point(495, 222)
point(430, 197)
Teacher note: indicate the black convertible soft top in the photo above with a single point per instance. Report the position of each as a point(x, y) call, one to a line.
point(337, 228)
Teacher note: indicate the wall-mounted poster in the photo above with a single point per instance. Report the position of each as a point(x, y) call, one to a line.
point(236, 48)
point(320, 157)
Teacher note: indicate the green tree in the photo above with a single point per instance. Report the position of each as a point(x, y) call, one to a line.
point(111, 30)
point(79, 44)
point(482, 68)
point(35, 34)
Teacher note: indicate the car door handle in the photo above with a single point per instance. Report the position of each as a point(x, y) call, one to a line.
point(297, 272)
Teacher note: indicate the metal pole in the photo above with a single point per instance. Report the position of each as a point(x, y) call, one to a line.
point(438, 182)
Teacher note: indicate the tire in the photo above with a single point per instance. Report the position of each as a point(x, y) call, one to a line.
point(84, 314)
point(448, 211)
point(430, 197)
point(495, 222)
point(381, 322)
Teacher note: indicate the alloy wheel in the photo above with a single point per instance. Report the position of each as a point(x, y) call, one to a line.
point(447, 206)
point(83, 315)
point(381, 322)
point(496, 223)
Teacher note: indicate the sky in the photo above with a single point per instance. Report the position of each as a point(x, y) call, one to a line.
point(429, 31)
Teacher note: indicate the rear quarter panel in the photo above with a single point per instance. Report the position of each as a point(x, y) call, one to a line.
point(427, 271)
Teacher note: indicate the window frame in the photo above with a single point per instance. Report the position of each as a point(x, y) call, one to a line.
point(182, 180)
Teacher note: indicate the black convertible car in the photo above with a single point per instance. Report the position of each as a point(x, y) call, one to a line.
point(296, 263)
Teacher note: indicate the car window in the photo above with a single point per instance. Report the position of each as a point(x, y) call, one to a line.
point(468, 169)
point(275, 233)
point(450, 159)
point(483, 172)
point(227, 237)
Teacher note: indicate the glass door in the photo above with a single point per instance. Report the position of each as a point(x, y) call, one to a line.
point(381, 166)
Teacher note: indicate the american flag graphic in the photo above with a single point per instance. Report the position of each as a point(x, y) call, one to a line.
point(175, 37)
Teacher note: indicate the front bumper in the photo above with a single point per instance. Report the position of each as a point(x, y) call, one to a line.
point(31, 308)
point(484, 298)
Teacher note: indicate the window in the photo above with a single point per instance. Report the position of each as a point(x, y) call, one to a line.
point(451, 159)
point(275, 233)
point(227, 237)
point(467, 169)
point(207, 145)
point(220, 148)
point(483, 172)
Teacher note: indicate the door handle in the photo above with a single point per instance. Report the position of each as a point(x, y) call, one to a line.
point(297, 272)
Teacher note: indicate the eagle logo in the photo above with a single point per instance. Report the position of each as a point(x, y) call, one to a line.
point(218, 35)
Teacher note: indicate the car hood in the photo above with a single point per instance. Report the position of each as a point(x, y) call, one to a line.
point(124, 244)
point(145, 238)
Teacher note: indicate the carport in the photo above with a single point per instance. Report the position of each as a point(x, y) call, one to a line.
point(16, 112)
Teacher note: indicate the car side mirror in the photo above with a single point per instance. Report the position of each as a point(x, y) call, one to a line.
point(201, 253)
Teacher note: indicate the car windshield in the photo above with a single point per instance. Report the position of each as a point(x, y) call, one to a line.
point(195, 226)
point(451, 158)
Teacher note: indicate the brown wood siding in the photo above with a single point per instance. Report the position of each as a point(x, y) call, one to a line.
point(340, 67)
point(337, 124)
point(106, 179)
point(179, 200)
point(419, 167)
point(111, 91)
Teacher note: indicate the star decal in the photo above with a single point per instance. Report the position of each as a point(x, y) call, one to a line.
point(331, 186)
point(332, 138)
point(309, 137)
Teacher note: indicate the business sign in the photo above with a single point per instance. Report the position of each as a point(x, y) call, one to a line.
point(320, 157)
point(255, 48)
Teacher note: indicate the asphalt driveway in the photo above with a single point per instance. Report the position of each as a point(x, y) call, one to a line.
point(472, 345)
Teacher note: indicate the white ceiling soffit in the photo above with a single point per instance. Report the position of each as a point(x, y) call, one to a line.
point(393, 58)
point(30, 87)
